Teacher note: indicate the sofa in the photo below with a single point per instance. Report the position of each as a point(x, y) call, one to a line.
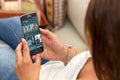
point(72, 33)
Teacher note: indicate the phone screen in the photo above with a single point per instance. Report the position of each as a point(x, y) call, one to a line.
point(32, 33)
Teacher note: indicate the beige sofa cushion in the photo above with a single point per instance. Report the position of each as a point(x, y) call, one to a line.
point(69, 36)
point(76, 13)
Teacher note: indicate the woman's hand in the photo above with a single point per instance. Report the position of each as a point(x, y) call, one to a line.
point(53, 48)
point(25, 69)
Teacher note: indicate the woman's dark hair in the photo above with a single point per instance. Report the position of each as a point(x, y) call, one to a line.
point(103, 24)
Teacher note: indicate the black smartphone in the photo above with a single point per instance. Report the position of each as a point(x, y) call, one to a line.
point(31, 32)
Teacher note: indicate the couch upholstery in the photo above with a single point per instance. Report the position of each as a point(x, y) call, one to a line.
point(72, 33)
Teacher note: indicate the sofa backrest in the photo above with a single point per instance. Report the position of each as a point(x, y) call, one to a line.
point(76, 13)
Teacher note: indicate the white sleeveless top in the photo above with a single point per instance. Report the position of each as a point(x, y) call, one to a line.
point(55, 70)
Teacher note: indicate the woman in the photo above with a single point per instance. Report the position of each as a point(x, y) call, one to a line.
point(102, 25)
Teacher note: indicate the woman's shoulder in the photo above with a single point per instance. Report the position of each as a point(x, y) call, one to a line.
point(87, 72)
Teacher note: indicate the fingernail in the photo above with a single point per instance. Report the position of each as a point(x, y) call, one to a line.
point(41, 29)
point(22, 39)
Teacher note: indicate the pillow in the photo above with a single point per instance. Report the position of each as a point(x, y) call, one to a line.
point(76, 13)
point(55, 11)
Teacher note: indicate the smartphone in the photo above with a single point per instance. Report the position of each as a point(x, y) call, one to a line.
point(31, 33)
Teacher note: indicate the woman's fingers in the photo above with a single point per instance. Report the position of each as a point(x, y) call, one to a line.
point(26, 52)
point(19, 53)
point(38, 60)
point(42, 31)
point(47, 33)
point(34, 57)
